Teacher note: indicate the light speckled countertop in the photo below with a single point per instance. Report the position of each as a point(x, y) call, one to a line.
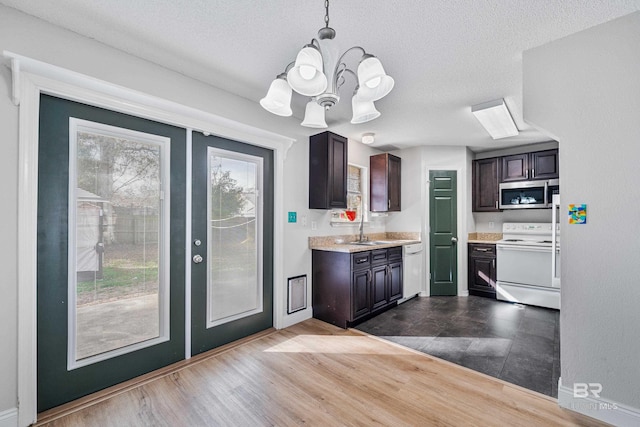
point(478, 237)
point(340, 243)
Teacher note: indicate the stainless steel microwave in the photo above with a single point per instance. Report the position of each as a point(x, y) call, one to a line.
point(528, 194)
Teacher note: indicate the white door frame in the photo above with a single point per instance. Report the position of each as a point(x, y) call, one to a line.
point(30, 79)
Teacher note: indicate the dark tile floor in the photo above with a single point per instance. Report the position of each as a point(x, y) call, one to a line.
point(517, 343)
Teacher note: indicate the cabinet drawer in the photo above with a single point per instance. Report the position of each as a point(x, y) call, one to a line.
point(395, 254)
point(379, 256)
point(482, 250)
point(360, 260)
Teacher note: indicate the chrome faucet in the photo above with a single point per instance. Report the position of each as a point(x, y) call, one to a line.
point(361, 239)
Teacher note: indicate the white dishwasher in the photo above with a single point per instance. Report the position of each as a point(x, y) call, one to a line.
point(412, 271)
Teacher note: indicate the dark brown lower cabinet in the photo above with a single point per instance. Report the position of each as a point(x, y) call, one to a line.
point(482, 270)
point(349, 288)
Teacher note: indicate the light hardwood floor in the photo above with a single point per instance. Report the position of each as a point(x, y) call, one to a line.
point(316, 374)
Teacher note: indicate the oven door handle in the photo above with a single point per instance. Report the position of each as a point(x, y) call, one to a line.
point(524, 248)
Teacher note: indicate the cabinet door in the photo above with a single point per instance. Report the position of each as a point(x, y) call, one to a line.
point(337, 171)
point(394, 184)
point(385, 183)
point(378, 286)
point(485, 185)
point(544, 164)
point(515, 167)
point(360, 293)
point(395, 281)
point(483, 277)
point(327, 171)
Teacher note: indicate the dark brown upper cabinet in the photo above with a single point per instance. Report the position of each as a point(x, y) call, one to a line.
point(529, 166)
point(384, 183)
point(544, 164)
point(485, 185)
point(515, 167)
point(328, 155)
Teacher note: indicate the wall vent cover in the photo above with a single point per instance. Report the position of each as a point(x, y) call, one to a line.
point(297, 294)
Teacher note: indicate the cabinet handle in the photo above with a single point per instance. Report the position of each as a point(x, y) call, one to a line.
point(496, 204)
point(494, 263)
point(533, 172)
point(369, 276)
point(527, 174)
point(482, 249)
point(389, 204)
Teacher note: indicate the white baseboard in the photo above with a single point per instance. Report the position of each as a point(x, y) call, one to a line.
point(297, 317)
point(601, 409)
point(464, 293)
point(9, 418)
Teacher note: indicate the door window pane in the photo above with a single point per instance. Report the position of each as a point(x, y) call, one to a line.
point(116, 272)
point(234, 286)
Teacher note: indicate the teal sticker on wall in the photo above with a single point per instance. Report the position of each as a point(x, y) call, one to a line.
point(292, 217)
point(577, 214)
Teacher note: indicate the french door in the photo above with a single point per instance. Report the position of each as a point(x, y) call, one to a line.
point(112, 246)
point(232, 247)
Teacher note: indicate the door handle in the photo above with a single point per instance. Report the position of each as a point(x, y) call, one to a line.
point(197, 259)
point(454, 240)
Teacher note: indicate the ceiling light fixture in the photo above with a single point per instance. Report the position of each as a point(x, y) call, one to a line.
point(317, 74)
point(368, 138)
point(494, 116)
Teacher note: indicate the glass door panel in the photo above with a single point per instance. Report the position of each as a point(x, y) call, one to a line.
point(117, 218)
point(234, 284)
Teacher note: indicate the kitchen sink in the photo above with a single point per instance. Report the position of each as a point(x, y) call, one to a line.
point(367, 243)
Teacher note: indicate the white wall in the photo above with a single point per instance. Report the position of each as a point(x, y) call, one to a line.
point(584, 91)
point(416, 164)
point(491, 222)
point(31, 37)
point(297, 254)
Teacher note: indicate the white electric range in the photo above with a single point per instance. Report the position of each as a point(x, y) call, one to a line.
point(526, 259)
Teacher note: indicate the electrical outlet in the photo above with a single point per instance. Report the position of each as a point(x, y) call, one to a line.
point(314, 225)
point(303, 220)
point(293, 217)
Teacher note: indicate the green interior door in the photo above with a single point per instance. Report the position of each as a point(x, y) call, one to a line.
point(111, 249)
point(443, 233)
point(232, 245)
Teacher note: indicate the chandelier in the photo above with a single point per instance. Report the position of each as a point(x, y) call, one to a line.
point(317, 74)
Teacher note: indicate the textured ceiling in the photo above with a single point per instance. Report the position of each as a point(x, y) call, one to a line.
point(445, 55)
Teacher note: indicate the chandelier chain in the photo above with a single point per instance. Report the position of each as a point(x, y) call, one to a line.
point(326, 16)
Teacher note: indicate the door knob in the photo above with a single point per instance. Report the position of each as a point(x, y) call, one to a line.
point(197, 259)
point(454, 239)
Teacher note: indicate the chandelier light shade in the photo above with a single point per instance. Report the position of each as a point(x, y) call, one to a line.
point(363, 111)
point(306, 76)
point(278, 99)
point(314, 116)
point(373, 81)
point(319, 72)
